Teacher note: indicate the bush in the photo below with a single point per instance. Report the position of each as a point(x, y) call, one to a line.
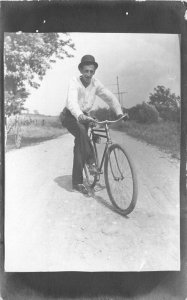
point(166, 102)
point(102, 114)
point(170, 115)
point(144, 113)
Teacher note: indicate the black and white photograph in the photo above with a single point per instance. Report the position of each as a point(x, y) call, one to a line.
point(92, 151)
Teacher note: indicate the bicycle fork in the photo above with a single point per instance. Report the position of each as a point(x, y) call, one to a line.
point(121, 177)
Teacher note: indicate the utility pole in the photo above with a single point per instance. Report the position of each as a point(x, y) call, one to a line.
point(118, 91)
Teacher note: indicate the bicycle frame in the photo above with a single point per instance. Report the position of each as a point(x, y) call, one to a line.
point(96, 133)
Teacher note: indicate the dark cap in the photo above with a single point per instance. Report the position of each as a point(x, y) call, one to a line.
point(88, 60)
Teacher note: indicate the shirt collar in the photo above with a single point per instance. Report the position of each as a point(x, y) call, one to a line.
point(92, 83)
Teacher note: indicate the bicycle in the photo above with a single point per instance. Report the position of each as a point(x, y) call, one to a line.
point(119, 171)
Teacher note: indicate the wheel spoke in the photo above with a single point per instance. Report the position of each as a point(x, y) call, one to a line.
point(120, 179)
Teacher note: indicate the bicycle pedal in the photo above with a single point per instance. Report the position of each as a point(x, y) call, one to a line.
point(92, 192)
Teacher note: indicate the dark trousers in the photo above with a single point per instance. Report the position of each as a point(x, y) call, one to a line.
point(83, 152)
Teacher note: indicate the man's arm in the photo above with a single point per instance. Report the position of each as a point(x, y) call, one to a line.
point(109, 98)
point(72, 99)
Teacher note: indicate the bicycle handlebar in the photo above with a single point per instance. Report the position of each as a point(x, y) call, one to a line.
point(124, 117)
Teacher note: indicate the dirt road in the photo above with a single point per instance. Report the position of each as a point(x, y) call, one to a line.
point(50, 228)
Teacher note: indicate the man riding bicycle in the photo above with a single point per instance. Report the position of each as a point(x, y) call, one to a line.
point(81, 96)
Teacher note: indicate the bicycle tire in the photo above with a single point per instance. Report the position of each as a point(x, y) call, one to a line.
point(91, 180)
point(114, 173)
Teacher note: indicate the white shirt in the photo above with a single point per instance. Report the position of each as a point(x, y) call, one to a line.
point(81, 99)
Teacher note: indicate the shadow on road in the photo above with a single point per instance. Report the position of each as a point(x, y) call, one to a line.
point(102, 201)
point(64, 182)
point(99, 187)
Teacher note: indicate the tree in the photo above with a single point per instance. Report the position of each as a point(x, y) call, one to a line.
point(167, 103)
point(27, 58)
point(144, 113)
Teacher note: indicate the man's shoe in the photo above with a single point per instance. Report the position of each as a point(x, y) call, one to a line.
point(81, 189)
point(92, 169)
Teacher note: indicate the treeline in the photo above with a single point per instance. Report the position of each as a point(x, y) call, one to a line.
point(162, 105)
point(32, 120)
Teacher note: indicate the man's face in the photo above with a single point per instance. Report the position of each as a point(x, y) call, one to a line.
point(87, 73)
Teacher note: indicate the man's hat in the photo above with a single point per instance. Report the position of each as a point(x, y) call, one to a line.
point(88, 60)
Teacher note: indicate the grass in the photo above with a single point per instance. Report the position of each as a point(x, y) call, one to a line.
point(40, 128)
point(164, 135)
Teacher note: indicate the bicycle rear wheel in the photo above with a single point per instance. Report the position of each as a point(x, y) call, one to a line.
point(121, 180)
point(92, 179)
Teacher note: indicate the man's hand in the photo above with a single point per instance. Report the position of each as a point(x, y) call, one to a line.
point(84, 119)
point(126, 116)
point(119, 116)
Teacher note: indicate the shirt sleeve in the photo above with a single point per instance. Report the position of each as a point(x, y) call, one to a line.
point(108, 97)
point(72, 99)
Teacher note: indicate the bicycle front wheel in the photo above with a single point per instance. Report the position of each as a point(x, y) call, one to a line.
point(121, 180)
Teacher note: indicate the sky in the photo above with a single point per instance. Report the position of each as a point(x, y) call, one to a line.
point(140, 61)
